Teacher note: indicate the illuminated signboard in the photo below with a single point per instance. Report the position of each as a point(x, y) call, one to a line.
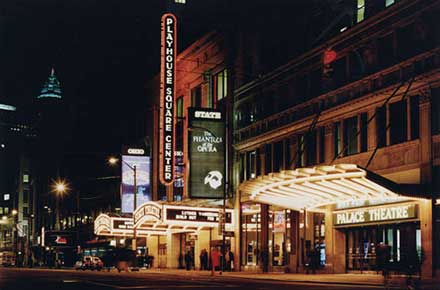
point(196, 215)
point(206, 153)
point(7, 107)
point(147, 212)
point(279, 222)
point(167, 92)
point(119, 224)
point(58, 238)
point(375, 214)
point(143, 195)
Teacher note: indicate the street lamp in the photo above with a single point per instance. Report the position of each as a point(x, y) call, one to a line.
point(59, 187)
point(114, 161)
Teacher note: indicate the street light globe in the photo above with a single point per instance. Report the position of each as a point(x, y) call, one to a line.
point(4, 217)
point(59, 187)
point(113, 160)
point(14, 212)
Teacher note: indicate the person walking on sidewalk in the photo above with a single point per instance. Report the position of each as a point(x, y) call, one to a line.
point(215, 260)
point(204, 260)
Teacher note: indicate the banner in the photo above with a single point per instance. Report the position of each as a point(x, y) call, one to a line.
point(142, 164)
point(206, 153)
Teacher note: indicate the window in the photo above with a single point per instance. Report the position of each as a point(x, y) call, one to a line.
point(415, 116)
point(408, 41)
point(364, 132)
point(268, 159)
point(242, 168)
point(6, 210)
point(278, 156)
point(25, 211)
point(360, 10)
point(381, 132)
point(385, 48)
point(287, 155)
point(196, 97)
point(1, 210)
point(337, 138)
point(25, 196)
point(25, 178)
point(321, 132)
point(435, 108)
point(398, 122)
point(340, 72)
point(301, 158)
point(350, 136)
point(389, 2)
point(179, 107)
point(251, 235)
point(221, 85)
point(311, 148)
point(6, 196)
point(251, 165)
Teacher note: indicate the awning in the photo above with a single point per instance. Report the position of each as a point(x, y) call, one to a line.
point(154, 218)
point(318, 186)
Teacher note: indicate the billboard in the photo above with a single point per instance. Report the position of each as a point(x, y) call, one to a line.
point(167, 92)
point(143, 195)
point(206, 153)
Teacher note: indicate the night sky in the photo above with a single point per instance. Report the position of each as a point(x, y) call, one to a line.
point(104, 52)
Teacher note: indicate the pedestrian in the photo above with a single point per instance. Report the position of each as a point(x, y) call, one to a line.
point(215, 260)
point(188, 260)
point(227, 261)
point(204, 260)
point(231, 261)
point(264, 258)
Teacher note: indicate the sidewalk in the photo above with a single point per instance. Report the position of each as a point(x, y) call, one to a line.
point(397, 282)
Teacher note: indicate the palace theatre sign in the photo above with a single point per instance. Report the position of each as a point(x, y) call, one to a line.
point(375, 214)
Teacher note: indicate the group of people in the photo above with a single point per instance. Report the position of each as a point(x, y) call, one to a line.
point(216, 259)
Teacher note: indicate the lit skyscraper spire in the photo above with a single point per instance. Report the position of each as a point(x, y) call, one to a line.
point(51, 88)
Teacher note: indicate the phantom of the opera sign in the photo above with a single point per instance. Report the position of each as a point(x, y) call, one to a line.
point(375, 214)
point(206, 153)
point(167, 92)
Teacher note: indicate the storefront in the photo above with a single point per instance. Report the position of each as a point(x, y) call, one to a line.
point(169, 232)
point(394, 225)
point(330, 219)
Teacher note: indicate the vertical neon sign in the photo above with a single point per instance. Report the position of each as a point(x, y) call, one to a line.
point(167, 92)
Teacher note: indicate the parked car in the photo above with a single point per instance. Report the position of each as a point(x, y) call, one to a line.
point(7, 259)
point(79, 265)
point(97, 264)
point(89, 263)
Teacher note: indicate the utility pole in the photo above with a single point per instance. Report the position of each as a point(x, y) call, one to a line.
point(133, 243)
point(77, 222)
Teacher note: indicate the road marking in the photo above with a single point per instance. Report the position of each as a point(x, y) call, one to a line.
point(71, 281)
point(156, 287)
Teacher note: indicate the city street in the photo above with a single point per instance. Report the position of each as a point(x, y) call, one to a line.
point(36, 279)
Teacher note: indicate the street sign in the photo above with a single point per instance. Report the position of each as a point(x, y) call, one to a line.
point(221, 221)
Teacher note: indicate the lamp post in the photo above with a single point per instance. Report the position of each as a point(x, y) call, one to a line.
point(114, 161)
point(59, 187)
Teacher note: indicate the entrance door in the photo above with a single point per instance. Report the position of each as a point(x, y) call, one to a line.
point(361, 244)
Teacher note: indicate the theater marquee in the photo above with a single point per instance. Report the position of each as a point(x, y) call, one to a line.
point(375, 214)
point(167, 93)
